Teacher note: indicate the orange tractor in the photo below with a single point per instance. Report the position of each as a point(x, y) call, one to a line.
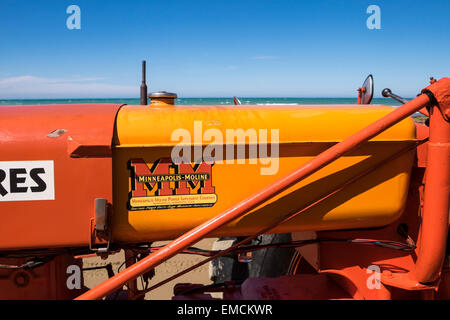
point(308, 202)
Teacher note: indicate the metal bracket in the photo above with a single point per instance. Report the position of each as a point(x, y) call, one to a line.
point(439, 94)
point(99, 231)
point(101, 214)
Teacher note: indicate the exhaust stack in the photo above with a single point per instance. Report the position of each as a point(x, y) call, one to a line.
point(143, 85)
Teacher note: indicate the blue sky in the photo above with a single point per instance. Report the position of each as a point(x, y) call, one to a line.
point(253, 48)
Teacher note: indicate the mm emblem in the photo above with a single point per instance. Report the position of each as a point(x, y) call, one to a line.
point(167, 185)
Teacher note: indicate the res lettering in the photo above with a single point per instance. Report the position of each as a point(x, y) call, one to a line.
point(18, 177)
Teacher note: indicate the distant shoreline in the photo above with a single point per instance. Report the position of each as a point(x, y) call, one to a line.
point(203, 101)
point(227, 97)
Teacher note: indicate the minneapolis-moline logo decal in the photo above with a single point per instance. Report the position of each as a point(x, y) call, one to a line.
point(166, 185)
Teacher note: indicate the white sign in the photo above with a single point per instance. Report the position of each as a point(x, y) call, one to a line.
point(27, 180)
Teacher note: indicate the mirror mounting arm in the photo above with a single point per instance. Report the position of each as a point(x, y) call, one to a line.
point(360, 94)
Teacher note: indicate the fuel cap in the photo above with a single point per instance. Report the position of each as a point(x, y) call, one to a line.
point(162, 94)
point(162, 98)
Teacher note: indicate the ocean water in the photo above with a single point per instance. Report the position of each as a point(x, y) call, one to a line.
point(206, 101)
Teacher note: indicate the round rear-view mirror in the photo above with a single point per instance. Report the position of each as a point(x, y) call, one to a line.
point(367, 94)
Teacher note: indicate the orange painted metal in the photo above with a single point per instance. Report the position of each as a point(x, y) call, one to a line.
point(77, 138)
point(305, 131)
point(434, 229)
point(243, 207)
point(301, 287)
point(441, 91)
point(285, 219)
point(426, 214)
point(348, 264)
point(44, 283)
point(424, 111)
point(360, 92)
point(432, 240)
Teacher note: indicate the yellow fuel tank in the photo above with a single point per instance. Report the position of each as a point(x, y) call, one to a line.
point(235, 151)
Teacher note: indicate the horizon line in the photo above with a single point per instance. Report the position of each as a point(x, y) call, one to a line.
point(199, 97)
